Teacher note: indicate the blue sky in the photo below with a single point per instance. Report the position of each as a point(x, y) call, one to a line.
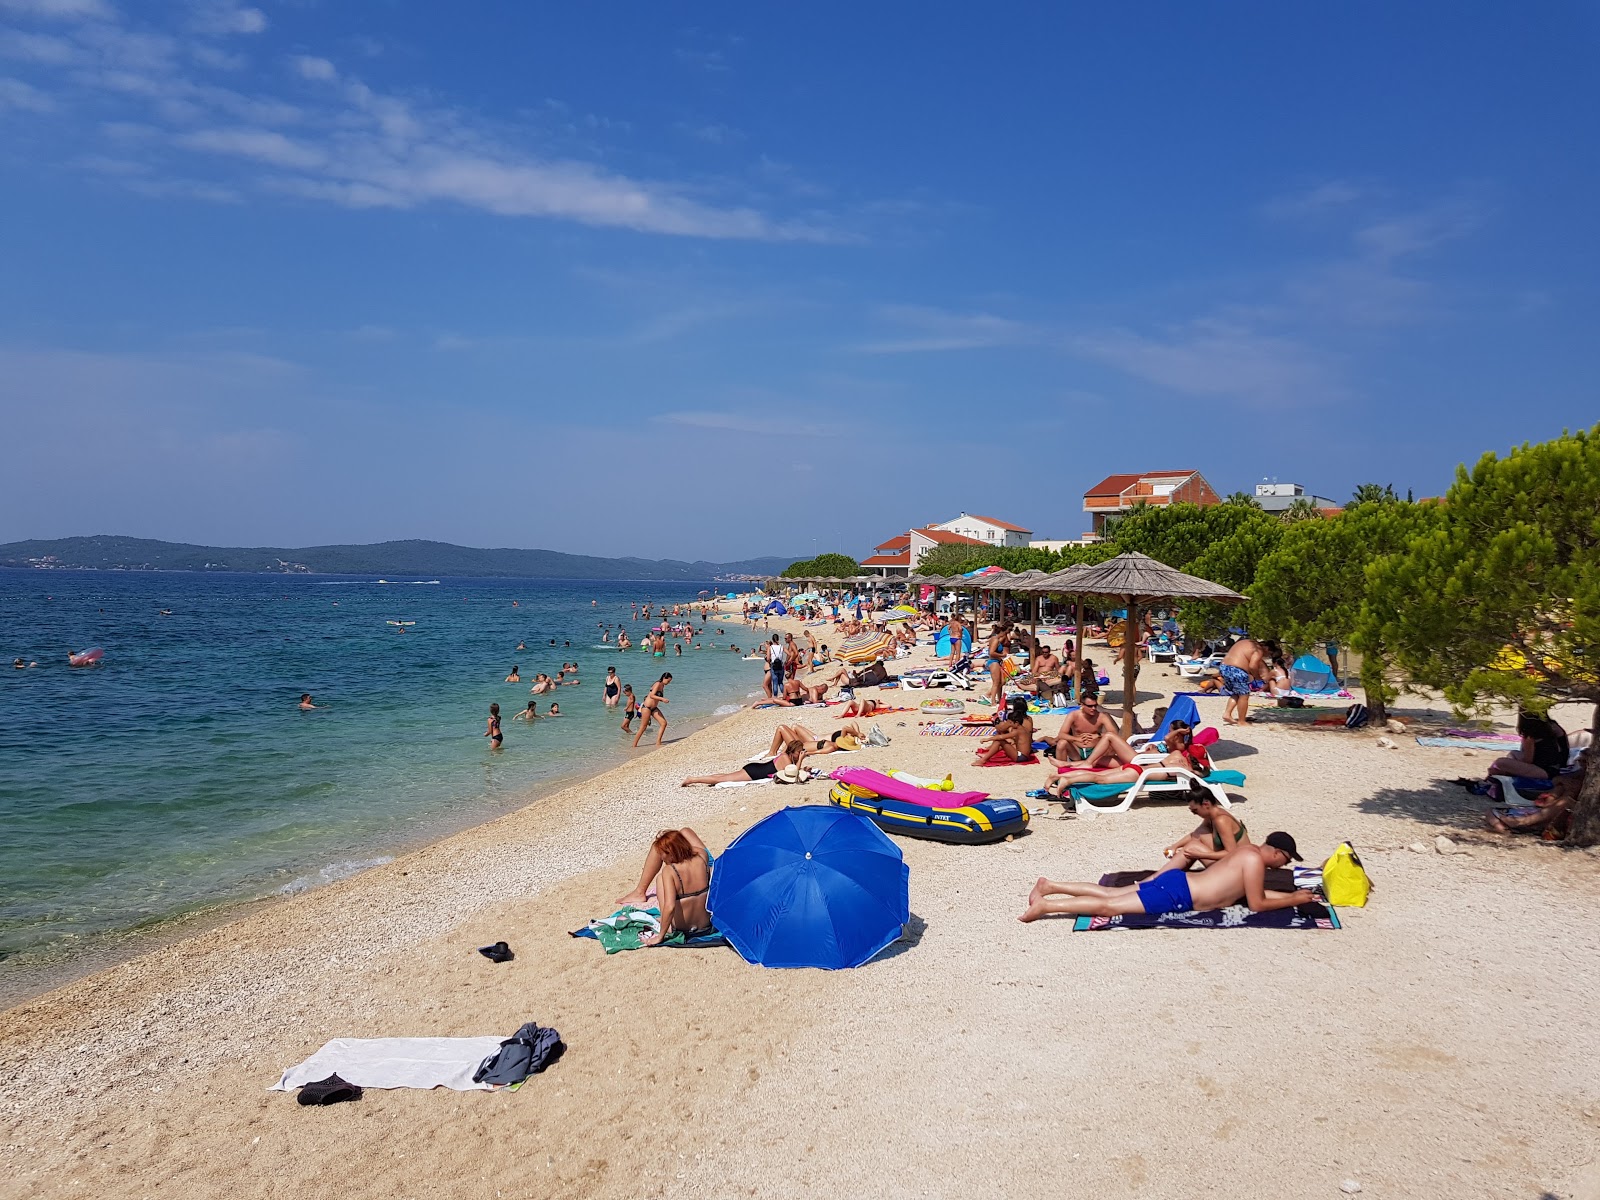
point(718, 280)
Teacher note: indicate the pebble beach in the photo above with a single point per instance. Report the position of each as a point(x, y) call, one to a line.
point(1442, 1043)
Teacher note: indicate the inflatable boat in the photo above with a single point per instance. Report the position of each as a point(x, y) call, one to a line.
point(962, 818)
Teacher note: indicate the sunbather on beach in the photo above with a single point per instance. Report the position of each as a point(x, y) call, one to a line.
point(1014, 734)
point(1218, 833)
point(849, 736)
point(1543, 753)
point(1245, 660)
point(1180, 753)
point(678, 866)
point(860, 708)
point(1081, 732)
point(1238, 875)
point(793, 754)
point(1550, 812)
point(1044, 674)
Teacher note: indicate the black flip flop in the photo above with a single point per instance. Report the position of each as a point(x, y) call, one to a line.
point(499, 952)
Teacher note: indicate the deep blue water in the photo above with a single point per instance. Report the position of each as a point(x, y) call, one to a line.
point(182, 774)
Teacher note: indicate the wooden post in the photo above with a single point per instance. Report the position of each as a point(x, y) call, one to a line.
point(1130, 667)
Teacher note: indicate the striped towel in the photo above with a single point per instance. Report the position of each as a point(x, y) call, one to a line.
point(956, 729)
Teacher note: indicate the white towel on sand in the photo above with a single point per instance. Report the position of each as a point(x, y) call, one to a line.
point(396, 1063)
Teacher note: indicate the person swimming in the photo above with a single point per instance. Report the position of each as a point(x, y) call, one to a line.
point(531, 713)
point(555, 710)
point(305, 697)
point(513, 677)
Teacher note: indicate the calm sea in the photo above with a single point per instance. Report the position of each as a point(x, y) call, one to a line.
point(181, 775)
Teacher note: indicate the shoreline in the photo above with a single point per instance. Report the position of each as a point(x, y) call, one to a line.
point(35, 972)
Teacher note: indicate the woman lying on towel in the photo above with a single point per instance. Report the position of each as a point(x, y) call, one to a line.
point(793, 755)
point(678, 867)
point(860, 708)
point(1012, 740)
point(1181, 752)
point(849, 736)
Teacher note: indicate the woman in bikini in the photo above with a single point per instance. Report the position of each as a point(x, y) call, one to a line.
point(860, 708)
point(1219, 832)
point(493, 733)
point(1181, 752)
point(793, 755)
point(678, 866)
point(613, 688)
point(785, 734)
point(651, 710)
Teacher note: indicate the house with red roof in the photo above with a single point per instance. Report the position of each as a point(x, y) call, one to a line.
point(1117, 494)
point(988, 530)
point(898, 555)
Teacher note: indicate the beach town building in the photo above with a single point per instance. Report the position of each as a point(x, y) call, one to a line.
point(988, 530)
point(898, 555)
point(1118, 494)
point(1275, 497)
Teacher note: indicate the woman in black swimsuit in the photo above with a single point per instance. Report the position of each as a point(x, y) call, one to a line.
point(679, 867)
point(613, 688)
point(650, 710)
point(793, 754)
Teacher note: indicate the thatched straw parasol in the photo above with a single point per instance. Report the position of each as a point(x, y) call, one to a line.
point(1134, 579)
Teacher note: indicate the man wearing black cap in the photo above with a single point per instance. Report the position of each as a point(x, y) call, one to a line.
point(1238, 875)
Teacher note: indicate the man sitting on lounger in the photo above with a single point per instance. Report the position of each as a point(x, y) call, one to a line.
point(1237, 875)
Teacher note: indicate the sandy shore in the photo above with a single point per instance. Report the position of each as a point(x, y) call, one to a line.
point(1443, 1044)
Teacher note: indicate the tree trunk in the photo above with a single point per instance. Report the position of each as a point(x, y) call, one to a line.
point(1586, 808)
point(1373, 687)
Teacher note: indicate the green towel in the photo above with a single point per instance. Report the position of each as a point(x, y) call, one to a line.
point(623, 928)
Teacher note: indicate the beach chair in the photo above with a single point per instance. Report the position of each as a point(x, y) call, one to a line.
point(1182, 709)
point(1162, 782)
point(1194, 668)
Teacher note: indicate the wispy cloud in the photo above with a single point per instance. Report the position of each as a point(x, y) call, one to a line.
point(1316, 201)
point(932, 330)
point(14, 94)
point(341, 141)
point(737, 422)
point(1213, 358)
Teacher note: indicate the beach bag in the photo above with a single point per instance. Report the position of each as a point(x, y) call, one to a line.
point(1344, 881)
point(1355, 716)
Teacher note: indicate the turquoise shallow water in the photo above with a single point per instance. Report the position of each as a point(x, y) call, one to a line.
point(181, 774)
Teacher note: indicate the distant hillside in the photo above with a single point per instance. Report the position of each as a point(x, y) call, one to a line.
point(413, 558)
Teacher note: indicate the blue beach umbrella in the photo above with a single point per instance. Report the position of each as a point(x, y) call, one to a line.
point(815, 886)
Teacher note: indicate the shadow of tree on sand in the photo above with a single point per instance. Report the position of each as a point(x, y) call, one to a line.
point(1446, 805)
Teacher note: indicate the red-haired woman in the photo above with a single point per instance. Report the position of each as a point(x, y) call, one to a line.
point(679, 867)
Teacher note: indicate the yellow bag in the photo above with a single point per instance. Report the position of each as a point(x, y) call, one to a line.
point(1344, 881)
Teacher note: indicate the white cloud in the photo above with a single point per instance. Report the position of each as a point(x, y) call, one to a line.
point(262, 145)
point(43, 48)
point(1214, 358)
point(1333, 195)
point(732, 422)
point(224, 17)
point(932, 330)
point(357, 147)
point(19, 96)
point(311, 67)
point(60, 10)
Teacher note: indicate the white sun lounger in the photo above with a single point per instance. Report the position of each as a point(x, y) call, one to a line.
point(1154, 781)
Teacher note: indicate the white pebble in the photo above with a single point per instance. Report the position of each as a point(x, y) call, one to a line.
point(1350, 1186)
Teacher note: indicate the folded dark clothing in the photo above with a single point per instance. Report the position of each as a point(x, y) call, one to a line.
point(527, 1052)
point(331, 1090)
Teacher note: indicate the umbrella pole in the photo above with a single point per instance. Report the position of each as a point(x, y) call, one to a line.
point(1077, 640)
point(1130, 668)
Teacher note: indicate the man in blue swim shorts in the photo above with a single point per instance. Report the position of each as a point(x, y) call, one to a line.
point(1244, 661)
point(1238, 875)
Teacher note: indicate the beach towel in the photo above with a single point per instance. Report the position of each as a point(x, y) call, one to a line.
point(623, 928)
point(955, 729)
point(1238, 916)
point(1106, 791)
point(1476, 743)
point(397, 1063)
point(1002, 756)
